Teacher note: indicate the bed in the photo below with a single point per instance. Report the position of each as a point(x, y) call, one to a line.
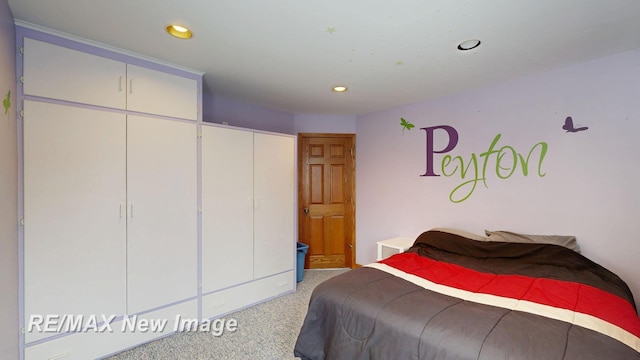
point(454, 297)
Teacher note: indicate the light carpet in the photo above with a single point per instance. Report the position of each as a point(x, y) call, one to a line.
point(265, 331)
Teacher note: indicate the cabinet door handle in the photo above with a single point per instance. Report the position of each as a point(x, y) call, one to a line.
point(131, 86)
point(121, 210)
point(120, 84)
point(131, 210)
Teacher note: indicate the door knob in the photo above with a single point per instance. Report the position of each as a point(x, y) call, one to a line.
point(306, 211)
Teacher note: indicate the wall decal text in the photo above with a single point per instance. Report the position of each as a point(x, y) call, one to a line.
point(505, 159)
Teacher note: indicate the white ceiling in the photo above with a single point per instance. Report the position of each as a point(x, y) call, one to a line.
point(287, 54)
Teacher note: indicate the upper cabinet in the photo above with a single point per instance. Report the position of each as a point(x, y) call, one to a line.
point(155, 92)
point(60, 73)
point(57, 72)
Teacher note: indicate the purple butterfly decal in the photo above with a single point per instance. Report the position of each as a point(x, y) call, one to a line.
point(568, 125)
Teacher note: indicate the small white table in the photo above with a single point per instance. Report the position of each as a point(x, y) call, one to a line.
point(393, 246)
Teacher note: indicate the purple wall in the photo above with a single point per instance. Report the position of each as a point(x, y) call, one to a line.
point(8, 191)
point(316, 123)
point(220, 110)
point(589, 187)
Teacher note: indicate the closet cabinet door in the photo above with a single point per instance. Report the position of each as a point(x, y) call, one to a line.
point(162, 212)
point(75, 225)
point(61, 73)
point(274, 241)
point(155, 92)
point(227, 207)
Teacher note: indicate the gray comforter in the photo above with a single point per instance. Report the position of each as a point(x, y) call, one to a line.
point(368, 313)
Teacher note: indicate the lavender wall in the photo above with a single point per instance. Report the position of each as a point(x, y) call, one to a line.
point(8, 191)
point(217, 109)
point(317, 123)
point(220, 110)
point(590, 177)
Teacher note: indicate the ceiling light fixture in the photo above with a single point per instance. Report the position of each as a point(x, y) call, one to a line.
point(339, 89)
point(468, 45)
point(180, 32)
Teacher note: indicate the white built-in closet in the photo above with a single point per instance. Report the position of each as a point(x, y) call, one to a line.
point(247, 228)
point(133, 206)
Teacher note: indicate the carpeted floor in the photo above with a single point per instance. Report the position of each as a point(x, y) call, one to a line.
point(266, 331)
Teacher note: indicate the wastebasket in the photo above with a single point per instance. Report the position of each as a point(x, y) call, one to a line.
point(302, 251)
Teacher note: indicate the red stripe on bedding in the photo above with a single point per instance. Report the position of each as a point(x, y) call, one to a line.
point(567, 295)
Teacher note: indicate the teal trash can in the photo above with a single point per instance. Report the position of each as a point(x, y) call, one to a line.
point(302, 251)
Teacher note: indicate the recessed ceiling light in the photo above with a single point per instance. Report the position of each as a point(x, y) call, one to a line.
point(180, 32)
point(469, 44)
point(339, 89)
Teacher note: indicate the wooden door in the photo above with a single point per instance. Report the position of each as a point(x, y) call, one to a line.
point(326, 214)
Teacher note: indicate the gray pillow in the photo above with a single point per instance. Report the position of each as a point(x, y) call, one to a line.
point(568, 241)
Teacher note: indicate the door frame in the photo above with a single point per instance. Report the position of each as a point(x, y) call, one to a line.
point(350, 259)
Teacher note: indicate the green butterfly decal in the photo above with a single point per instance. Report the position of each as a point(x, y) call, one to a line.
point(7, 103)
point(406, 125)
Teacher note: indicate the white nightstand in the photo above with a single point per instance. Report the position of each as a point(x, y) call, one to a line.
point(393, 246)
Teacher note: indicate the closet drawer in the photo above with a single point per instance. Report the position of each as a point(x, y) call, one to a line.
point(235, 298)
point(96, 344)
